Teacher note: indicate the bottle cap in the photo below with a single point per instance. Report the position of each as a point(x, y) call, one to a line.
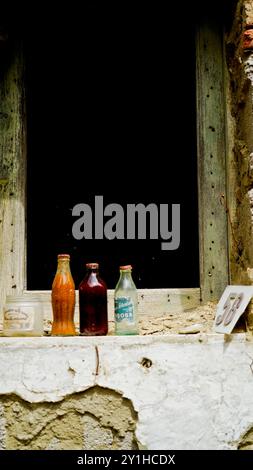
point(92, 265)
point(128, 267)
point(63, 256)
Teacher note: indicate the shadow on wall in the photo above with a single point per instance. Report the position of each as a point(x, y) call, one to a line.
point(98, 419)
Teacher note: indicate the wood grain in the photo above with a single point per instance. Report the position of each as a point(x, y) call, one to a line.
point(12, 176)
point(150, 301)
point(211, 161)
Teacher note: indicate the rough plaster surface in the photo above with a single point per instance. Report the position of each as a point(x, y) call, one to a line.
point(150, 390)
point(240, 169)
point(2, 428)
point(240, 146)
point(248, 5)
point(247, 441)
point(96, 419)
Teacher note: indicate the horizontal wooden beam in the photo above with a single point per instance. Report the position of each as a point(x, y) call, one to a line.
point(157, 302)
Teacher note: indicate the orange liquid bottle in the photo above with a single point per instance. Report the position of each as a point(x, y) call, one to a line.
point(63, 299)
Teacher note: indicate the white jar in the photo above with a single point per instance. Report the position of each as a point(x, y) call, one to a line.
point(23, 316)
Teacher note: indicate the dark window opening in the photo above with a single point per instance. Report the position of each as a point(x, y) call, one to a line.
point(111, 111)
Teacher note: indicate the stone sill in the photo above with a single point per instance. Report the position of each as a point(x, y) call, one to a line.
point(201, 383)
point(80, 341)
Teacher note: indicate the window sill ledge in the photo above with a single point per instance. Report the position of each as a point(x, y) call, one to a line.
point(45, 342)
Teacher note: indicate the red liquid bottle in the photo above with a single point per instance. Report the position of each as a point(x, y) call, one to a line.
point(93, 303)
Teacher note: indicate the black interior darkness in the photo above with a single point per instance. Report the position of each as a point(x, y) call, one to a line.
point(111, 111)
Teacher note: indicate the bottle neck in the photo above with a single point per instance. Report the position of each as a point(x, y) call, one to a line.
point(92, 270)
point(63, 266)
point(126, 275)
point(92, 277)
point(125, 280)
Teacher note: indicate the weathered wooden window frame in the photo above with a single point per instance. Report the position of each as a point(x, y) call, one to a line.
point(211, 136)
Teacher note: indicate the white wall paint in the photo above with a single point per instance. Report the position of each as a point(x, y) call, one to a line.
point(197, 394)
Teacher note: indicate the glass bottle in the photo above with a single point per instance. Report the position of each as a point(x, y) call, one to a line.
point(93, 303)
point(126, 304)
point(63, 299)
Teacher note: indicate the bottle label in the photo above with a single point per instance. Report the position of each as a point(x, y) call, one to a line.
point(124, 309)
point(18, 319)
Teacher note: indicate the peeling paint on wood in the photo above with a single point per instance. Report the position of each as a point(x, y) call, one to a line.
point(12, 174)
point(211, 161)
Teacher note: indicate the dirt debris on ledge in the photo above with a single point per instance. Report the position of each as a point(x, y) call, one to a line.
point(192, 321)
point(197, 320)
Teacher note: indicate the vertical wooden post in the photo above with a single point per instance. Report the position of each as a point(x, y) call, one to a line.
point(214, 275)
point(12, 173)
